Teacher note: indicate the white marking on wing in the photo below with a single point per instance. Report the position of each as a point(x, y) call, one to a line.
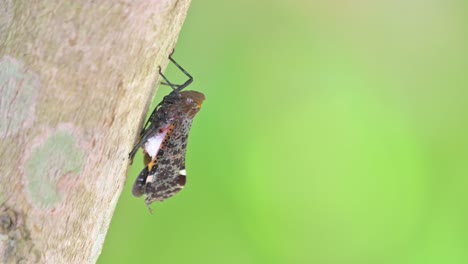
point(153, 144)
point(149, 178)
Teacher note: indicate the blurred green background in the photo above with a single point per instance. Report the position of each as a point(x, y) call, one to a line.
point(333, 132)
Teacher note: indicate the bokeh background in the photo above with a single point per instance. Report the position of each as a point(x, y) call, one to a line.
point(333, 132)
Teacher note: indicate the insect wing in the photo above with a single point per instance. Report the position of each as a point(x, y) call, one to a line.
point(168, 173)
point(163, 183)
point(138, 188)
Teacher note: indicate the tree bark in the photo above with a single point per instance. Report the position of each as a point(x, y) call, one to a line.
point(76, 80)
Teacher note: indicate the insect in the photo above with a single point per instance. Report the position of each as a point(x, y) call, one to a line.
point(164, 142)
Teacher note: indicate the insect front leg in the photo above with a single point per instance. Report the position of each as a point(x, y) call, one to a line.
point(176, 87)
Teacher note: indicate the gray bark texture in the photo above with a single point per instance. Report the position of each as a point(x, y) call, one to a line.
point(76, 80)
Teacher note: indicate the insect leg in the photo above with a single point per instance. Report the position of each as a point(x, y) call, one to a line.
point(175, 87)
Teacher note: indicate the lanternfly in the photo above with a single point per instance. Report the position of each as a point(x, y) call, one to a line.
point(164, 142)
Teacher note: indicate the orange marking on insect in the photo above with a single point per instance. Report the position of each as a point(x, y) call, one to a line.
point(150, 165)
point(153, 161)
point(169, 131)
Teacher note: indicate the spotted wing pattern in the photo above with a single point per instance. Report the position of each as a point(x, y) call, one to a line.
point(165, 176)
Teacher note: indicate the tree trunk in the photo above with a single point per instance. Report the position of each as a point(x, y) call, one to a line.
point(76, 80)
